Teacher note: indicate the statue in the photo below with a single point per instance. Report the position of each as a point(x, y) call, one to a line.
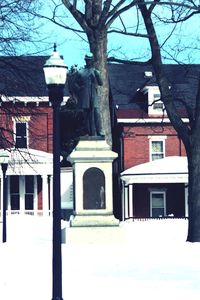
point(83, 86)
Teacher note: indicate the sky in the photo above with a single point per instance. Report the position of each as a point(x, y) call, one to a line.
point(73, 48)
point(141, 259)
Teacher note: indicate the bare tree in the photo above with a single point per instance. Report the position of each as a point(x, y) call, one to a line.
point(95, 19)
point(18, 30)
point(189, 133)
point(18, 36)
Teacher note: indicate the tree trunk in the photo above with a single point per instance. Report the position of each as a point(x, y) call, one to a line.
point(98, 46)
point(188, 134)
point(194, 190)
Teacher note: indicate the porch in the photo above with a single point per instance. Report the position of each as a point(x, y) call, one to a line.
point(29, 184)
point(157, 189)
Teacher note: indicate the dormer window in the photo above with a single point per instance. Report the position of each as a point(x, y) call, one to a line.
point(158, 105)
point(155, 105)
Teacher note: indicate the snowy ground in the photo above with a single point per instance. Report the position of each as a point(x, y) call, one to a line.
point(152, 262)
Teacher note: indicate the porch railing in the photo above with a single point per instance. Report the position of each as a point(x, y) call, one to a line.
point(154, 218)
point(28, 213)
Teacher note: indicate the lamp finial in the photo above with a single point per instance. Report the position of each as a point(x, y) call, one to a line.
point(54, 47)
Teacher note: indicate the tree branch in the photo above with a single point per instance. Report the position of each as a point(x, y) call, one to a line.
point(114, 14)
point(128, 33)
point(162, 81)
point(153, 5)
point(78, 16)
point(105, 13)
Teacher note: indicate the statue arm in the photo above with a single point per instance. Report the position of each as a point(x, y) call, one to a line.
point(98, 77)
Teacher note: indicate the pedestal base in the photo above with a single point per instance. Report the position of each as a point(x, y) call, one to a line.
point(93, 184)
point(96, 235)
point(94, 221)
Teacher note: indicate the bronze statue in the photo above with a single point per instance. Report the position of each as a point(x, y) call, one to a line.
point(83, 87)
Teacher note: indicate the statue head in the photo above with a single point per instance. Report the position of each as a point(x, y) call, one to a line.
point(89, 59)
point(89, 56)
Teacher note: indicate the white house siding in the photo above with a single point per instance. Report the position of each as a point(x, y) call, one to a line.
point(37, 198)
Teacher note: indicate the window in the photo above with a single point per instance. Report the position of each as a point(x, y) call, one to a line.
point(157, 204)
point(157, 150)
point(14, 192)
point(21, 135)
point(157, 147)
point(29, 192)
point(158, 105)
point(22, 192)
point(21, 131)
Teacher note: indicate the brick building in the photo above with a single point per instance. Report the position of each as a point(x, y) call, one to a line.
point(153, 162)
point(151, 159)
point(26, 129)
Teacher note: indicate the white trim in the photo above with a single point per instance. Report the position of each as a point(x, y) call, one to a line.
point(157, 137)
point(155, 178)
point(148, 120)
point(27, 99)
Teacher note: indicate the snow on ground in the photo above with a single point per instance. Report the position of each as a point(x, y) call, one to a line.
point(152, 262)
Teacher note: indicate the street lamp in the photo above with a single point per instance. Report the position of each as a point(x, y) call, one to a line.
point(4, 157)
point(55, 72)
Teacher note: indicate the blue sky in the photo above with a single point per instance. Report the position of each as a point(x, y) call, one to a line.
point(73, 48)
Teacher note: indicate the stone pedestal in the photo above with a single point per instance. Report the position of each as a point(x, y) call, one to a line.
point(93, 185)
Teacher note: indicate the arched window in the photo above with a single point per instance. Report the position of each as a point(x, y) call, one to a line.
point(93, 189)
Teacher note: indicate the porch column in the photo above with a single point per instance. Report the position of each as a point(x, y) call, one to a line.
point(186, 200)
point(8, 195)
point(1, 198)
point(22, 193)
point(51, 193)
point(130, 200)
point(35, 197)
point(45, 198)
point(123, 202)
point(126, 200)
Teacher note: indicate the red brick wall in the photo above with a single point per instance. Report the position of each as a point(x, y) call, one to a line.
point(40, 125)
point(136, 143)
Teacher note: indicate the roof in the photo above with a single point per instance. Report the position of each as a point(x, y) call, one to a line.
point(30, 162)
point(127, 81)
point(166, 170)
point(23, 76)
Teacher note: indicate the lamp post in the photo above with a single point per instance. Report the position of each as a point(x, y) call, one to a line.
point(55, 72)
point(4, 157)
